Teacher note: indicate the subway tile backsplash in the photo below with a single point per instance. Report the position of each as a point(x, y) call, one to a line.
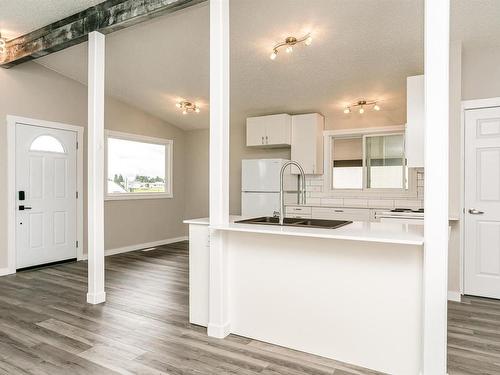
point(316, 196)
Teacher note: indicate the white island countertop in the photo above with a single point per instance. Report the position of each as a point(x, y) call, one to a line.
point(408, 234)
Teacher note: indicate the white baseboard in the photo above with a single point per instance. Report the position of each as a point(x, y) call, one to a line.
point(147, 245)
point(6, 271)
point(454, 296)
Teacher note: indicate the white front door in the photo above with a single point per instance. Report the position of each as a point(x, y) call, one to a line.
point(482, 202)
point(46, 215)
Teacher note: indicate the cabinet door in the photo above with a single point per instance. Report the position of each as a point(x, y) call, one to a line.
point(414, 137)
point(256, 131)
point(307, 142)
point(278, 129)
point(199, 275)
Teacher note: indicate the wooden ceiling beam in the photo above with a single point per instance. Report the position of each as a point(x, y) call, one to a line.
point(106, 17)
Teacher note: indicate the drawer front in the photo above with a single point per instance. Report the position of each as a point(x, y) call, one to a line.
point(299, 210)
point(300, 216)
point(352, 214)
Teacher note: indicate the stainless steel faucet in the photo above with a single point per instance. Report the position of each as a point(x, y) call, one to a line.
point(301, 192)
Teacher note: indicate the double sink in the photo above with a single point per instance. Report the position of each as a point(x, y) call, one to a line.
point(296, 222)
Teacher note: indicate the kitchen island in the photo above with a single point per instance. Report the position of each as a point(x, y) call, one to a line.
point(353, 294)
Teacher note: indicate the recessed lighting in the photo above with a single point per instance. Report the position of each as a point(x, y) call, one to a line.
point(288, 43)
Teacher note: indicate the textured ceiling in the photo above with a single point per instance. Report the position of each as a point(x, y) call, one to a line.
point(18, 17)
point(360, 49)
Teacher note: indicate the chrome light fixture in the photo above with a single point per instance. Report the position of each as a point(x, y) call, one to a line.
point(187, 107)
point(289, 43)
point(360, 106)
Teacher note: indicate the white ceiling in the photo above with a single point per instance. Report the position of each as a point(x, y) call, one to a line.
point(18, 17)
point(360, 49)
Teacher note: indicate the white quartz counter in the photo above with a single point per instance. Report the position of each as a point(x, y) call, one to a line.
point(407, 234)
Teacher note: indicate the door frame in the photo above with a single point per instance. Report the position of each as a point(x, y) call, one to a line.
point(467, 105)
point(12, 121)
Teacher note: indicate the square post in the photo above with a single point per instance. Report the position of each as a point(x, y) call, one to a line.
point(437, 47)
point(218, 317)
point(95, 165)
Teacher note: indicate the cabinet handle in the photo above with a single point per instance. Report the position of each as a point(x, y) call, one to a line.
point(338, 210)
point(266, 140)
point(262, 139)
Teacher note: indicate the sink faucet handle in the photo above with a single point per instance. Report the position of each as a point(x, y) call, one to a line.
point(276, 214)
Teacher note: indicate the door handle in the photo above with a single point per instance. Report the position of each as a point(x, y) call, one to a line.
point(22, 208)
point(473, 211)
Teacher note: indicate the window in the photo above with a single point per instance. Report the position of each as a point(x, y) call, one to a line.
point(385, 162)
point(138, 167)
point(347, 168)
point(367, 162)
point(47, 143)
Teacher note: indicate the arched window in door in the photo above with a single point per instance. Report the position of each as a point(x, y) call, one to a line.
point(47, 143)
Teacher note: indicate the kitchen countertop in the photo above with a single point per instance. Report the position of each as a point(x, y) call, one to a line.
point(407, 234)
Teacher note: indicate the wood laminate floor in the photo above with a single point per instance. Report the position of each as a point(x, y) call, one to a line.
point(47, 328)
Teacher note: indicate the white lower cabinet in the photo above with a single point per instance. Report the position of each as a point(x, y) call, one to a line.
point(199, 263)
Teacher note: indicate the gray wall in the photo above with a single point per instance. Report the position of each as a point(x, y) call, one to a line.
point(31, 90)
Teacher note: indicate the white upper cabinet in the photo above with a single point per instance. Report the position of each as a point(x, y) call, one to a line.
point(307, 142)
point(269, 131)
point(414, 138)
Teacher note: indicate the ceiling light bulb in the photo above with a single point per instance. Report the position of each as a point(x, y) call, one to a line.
point(197, 110)
point(309, 40)
point(273, 55)
point(289, 49)
point(361, 111)
point(376, 107)
point(178, 105)
point(347, 110)
point(184, 112)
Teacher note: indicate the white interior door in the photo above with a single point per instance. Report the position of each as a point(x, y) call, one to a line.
point(46, 172)
point(482, 202)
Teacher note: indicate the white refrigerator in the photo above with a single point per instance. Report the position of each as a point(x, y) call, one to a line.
point(260, 186)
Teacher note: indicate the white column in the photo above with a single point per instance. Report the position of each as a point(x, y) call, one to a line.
point(437, 44)
point(95, 161)
point(218, 317)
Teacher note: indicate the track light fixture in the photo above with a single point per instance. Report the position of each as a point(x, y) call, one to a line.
point(187, 107)
point(289, 43)
point(3, 49)
point(361, 104)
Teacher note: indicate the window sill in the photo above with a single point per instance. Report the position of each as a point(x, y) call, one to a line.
point(123, 197)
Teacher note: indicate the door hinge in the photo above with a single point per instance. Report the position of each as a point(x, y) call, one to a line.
point(77, 145)
point(76, 195)
point(76, 243)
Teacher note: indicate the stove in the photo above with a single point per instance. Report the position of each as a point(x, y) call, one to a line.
point(402, 215)
point(419, 210)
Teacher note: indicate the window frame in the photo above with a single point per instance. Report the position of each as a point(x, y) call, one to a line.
point(169, 145)
point(329, 135)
